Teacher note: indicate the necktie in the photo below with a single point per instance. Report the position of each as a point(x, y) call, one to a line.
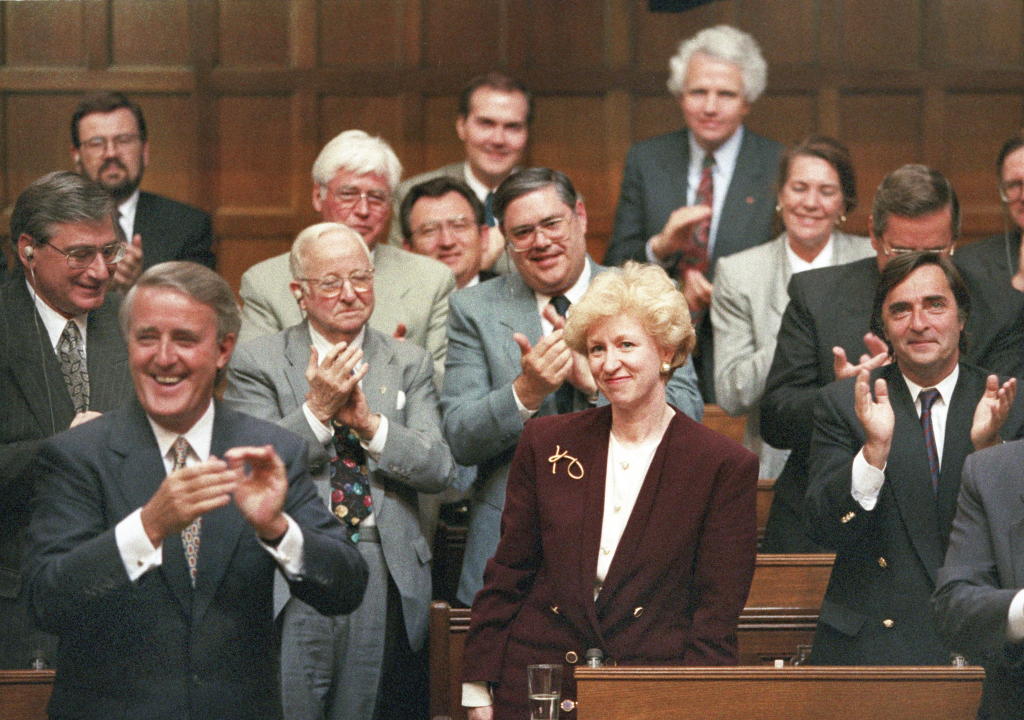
point(190, 535)
point(564, 395)
point(695, 253)
point(350, 482)
point(71, 353)
point(928, 398)
point(489, 219)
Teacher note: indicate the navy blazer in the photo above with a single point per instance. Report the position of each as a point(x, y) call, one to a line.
point(172, 230)
point(157, 648)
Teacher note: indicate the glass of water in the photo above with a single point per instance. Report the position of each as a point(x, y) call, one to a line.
point(545, 690)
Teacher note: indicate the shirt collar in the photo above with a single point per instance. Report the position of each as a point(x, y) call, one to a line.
point(822, 259)
point(53, 321)
point(944, 386)
point(725, 156)
point(478, 188)
point(127, 211)
point(199, 436)
point(573, 294)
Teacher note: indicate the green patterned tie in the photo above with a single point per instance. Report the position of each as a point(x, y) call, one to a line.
point(71, 353)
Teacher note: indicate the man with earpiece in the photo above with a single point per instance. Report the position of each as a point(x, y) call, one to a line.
point(62, 361)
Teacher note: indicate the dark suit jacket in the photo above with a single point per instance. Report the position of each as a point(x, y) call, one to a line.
point(875, 610)
point(172, 231)
point(156, 648)
point(36, 405)
point(679, 577)
point(984, 570)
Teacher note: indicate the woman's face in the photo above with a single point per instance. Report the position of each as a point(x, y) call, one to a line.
point(811, 201)
point(626, 362)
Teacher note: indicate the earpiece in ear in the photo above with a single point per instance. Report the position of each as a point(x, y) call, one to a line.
point(297, 294)
point(29, 253)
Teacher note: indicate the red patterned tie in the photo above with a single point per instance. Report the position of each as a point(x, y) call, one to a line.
point(928, 398)
point(190, 535)
point(695, 254)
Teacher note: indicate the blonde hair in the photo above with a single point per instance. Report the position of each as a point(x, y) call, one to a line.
point(644, 292)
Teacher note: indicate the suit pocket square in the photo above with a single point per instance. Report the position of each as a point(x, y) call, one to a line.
point(400, 400)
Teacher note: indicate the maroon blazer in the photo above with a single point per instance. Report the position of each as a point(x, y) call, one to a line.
point(676, 585)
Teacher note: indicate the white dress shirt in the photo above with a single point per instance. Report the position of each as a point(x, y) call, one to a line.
point(54, 323)
point(126, 213)
point(823, 259)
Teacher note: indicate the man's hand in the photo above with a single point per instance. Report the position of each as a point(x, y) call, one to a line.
point(186, 494)
point(545, 367)
point(261, 488)
point(678, 228)
point(484, 712)
point(991, 412)
point(696, 289)
point(331, 382)
point(357, 415)
point(579, 376)
point(129, 268)
point(877, 356)
point(83, 417)
point(876, 417)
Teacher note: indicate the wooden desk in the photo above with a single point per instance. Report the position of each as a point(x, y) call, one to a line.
point(24, 694)
point(791, 693)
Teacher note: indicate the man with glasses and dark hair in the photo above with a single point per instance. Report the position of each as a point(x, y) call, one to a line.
point(62, 361)
point(368, 401)
point(825, 334)
point(110, 145)
point(507, 360)
point(353, 179)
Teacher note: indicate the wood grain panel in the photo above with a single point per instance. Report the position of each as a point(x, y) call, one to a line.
point(361, 33)
point(255, 153)
point(253, 32)
point(557, 34)
point(173, 149)
point(786, 118)
point(976, 35)
point(43, 33)
point(133, 40)
point(38, 141)
point(786, 29)
point(658, 35)
point(655, 115)
point(378, 115)
point(461, 33)
point(440, 143)
point(881, 34)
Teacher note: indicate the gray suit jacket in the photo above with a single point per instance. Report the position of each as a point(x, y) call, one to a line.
point(749, 299)
point(409, 289)
point(266, 378)
point(983, 571)
point(481, 420)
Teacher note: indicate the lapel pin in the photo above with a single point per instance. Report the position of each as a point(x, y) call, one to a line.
point(750, 199)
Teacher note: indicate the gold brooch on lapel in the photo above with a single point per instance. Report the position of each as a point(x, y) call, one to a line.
point(573, 463)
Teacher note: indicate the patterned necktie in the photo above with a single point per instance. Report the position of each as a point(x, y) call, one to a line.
point(190, 535)
point(71, 353)
point(695, 253)
point(928, 398)
point(564, 395)
point(351, 502)
point(489, 218)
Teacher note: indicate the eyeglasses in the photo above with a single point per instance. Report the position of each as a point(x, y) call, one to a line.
point(348, 197)
point(1011, 190)
point(891, 251)
point(83, 256)
point(460, 225)
point(120, 142)
point(523, 237)
point(330, 286)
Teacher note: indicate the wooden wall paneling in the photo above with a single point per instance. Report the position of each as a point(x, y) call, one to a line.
point(253, 33)
point(44, 33)
point(380, 115)
point(787, 117)
point(787, 30)
point(466, 33)
point(134, 41)
point(557, 34)
point(254, 152)
point(883, 132)
point(441, 144)
point(654, 115)
point(37, 137)
point(303, 29)
point(658, 34)
point(96, 34)
point(362, 34)
point(881, 34)
point(173, 145)
point(978, 35)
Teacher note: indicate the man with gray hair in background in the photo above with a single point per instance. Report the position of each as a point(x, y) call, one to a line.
point(694, 195)
point(62, 362)
point(367, 406)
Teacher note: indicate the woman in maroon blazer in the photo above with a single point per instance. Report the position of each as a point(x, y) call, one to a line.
point(628, 528)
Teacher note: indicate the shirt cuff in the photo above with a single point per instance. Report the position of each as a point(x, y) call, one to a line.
point(288, 552)
point(654, 259)
point(476, 694)
point(321, 431)
point(137, 552)
point(525, 413)
point(375, 448)
point(1015, 618)
point(866, 482)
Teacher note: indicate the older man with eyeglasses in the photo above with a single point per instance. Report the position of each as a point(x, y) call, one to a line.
point(368, 408)
point(62, 362)
point(353, 180)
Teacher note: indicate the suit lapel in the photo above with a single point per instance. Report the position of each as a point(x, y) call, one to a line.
point(956, 447)
point(1017, 542)
point(778, 293)
point(297, 342)
point(909, 476)
point(107, 359)
point(380, 386)
point(741, 198)
point(676, 165)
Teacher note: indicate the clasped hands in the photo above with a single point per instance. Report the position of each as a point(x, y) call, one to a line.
point(254, 476)
point(876, 416)
point(548, 364)
point(674, 238)
point(334, 393)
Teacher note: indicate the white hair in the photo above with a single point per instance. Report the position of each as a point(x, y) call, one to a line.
point(297, 256)
point(722, 42)
point(360, 153)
